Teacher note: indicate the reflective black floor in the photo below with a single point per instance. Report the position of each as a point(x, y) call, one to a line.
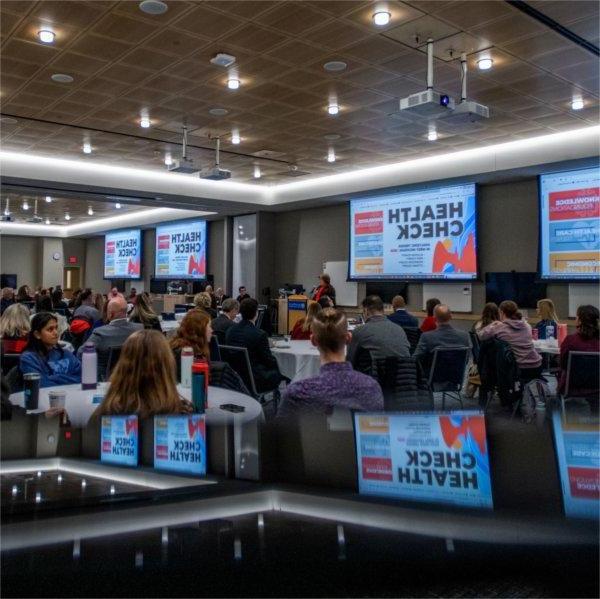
point(289, 556)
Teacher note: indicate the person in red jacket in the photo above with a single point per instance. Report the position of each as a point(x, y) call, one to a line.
point(324, 288)
point(429, 323)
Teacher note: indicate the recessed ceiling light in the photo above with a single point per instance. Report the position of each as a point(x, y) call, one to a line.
point(46, 36)
point(484, 64)
point(90, 211)
point(332, 136)
point(7, 120)
point(235, 138)
point(381, 18)
point(333, 109)
point(335, 66)
point(48, 199)
point(145, 122)
point(577, 103)
point(331, 155)
point(432, 135)
point(257, 173)
point(233, 83)
point(168, 159)
point(153, 7)
point(25, 205)
point(62, 78)
point(67, 216)
point(218, 111)
point(118, 206)
point(87, 147)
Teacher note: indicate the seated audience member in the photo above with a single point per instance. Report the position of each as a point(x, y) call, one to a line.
point(100, 303)
point(86, 309)
point(209, 289)
point(143, 381)
point(584, 339)
point(548, 317)
point(381, 337)
point(242, 295)
point(112, 334)
point(195, 331)
point(14, 329)
point(57, 299)
point(325, 288)
point(43, 303)
point(337, 384)
point(489, 314)
point(75, 300)
point(444, 335)
point(203, 301)
point(512, 329)
point(144, 314)
point(221, 323)
point(429, 323)
point(220, 296)
point(8, 299)
point(401, 315)
point(325, 302)
point(44, 355)
point(132, 297)
point(245, 334)
point(24, 294)
point(302, 329)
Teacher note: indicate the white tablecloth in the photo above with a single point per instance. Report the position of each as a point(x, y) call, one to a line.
point(546, 347)
point(299, 361)
point(169, 326)
point(80, 406)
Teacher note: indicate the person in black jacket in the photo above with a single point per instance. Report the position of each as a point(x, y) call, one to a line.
point(245, 334)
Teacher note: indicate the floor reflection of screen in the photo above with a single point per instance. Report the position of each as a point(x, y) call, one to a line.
point(438, 458)
point(578, 453)
point(180, 443)
point(119, 440)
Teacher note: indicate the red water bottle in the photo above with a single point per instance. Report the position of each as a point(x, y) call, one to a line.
point(200, 375)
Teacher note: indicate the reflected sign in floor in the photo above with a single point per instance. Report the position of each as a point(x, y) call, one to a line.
point(119, 440)
point(438, 458)
point(180, 444)
point(578, 453)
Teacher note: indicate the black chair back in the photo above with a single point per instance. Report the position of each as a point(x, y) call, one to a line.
point(363, 361)
point(448, 368)
point(114, 353)
point(239, 360)
point(220, 335)
point(474, 345)
point(583, 374)
point(61, 311)
point(9, 361)
point(168, 315)
point(260, 316)
point(14, 380)
point(215, 351)
point(413, 334)
point(181, 308)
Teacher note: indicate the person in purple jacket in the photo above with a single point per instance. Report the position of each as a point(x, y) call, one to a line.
point(45, 356)
point(337, 384)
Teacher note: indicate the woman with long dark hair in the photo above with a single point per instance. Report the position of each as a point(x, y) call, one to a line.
point(144, 314)
point(44, 355)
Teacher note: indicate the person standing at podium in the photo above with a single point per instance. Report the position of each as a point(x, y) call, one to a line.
point(325, 288)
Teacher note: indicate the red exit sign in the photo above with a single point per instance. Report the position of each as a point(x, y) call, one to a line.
point(72, 259)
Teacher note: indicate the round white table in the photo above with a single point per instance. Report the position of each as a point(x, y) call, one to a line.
point(543, 346)
point(80, 404)
point(169, 326)
point(298, 361)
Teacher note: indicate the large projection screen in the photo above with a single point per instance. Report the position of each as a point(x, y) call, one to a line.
point(123, 254)
point(570, 225)
point(180, 250)
point(423, 234)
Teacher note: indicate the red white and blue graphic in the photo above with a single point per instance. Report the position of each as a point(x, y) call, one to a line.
point(181, 250)
point(119, 440)
point(180, 444)
point(123, 254)
point(438, 458)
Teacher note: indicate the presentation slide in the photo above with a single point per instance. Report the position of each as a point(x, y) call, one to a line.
point(181, 250)
point(123, 254)
point(420, 234)
point(436, 458)
point(578, 452)
point(570, 225)
point(119, 440)
point(180, 444)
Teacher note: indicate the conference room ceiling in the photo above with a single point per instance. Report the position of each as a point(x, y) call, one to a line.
point(124, 62)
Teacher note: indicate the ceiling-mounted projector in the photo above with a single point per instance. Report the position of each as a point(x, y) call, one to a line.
point(215, 173)
point(184, 164)
point(428, 103)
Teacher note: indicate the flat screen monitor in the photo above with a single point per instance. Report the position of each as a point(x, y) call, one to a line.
point(577, 448)
point(180, 251)
point(119, 440)
point(8, 281)
point(570, 225)
point(426, 457)
point(424, 234)
point(524, 288)
point(180, 444)
point(123, 254)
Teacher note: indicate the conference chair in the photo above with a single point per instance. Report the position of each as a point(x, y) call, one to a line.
point(447, 373)
point(181, 308)
point(61, 311)
point(413, 334)
point(583, 377)
point(9, 361)
point(261, 315)
point(215, 351)
point(474, 345)
point(114, 353)
point(220, 335)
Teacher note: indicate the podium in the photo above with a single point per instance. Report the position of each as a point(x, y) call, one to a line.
point(290, 311)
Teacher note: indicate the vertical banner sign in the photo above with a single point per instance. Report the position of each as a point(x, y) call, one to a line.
point(422, 234)
point(570, 225)
point(180, 443)
point(438, 458)
point(181, 250)
point(119, 440)
point(578, 451)
point(123, 255)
